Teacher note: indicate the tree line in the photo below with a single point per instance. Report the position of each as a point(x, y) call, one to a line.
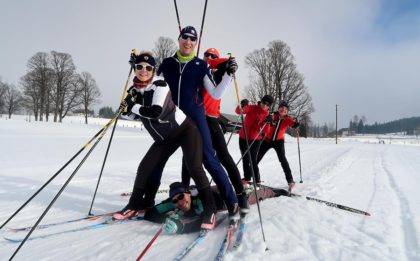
point(50, 86)
point(408, 126)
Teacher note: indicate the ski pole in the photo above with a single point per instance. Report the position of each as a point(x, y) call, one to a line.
point(202, 26)
point(58, 172)
point(177, 16)
point(250, 145)
point(231, 133)
point(150, 244)
point(334, 205)
point(133, 52)
point(300, 164)
point(59, 193)
point(250, 159)
point(239, 116)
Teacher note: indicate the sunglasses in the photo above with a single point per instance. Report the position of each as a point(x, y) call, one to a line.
point(178, 198)
point(212, 56)
point(192, 38)
point(148, 68)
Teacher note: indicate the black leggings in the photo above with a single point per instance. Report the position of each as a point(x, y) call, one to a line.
point(150, 169)
point(278, 146)
point(220, 146)
point(243, 146)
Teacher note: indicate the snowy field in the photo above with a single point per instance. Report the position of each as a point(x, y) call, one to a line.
point(383, 179)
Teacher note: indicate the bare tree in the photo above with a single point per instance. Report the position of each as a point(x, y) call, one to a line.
point(31, 99)
point(274, 72)
point(89, 92)
point(42, 77)
point(3, 87)
point(164, 47)
point(64, 90)
point(13, 99)
point(72, 98)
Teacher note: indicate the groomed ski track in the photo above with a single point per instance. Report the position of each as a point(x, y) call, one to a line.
point(382, 179)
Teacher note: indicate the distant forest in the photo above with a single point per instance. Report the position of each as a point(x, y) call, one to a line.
point(409, 126)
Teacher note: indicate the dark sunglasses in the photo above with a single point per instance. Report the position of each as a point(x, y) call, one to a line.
point(212, 56)
point(139, 67)
point(178, 198)
point(192, 38)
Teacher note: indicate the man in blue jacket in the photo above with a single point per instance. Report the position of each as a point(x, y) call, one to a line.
point(186, 75)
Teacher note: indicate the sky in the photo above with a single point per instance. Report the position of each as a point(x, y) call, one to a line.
point(361, 55)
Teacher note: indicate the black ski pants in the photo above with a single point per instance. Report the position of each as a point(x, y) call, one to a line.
point(149, 172)
point(220, 146)
point(278, 146)
point(246, 163)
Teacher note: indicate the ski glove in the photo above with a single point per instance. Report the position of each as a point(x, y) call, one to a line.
point(126, 105)
point(160, 83)
point(231, 66)
point(269, 119)
point(296, 124)
point(132, 61)
point(132, 92)
point(244, 103)
point(172, 225)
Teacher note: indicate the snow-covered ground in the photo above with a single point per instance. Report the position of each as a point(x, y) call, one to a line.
point(382, 179)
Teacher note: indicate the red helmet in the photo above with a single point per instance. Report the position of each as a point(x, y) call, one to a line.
point(212, 51)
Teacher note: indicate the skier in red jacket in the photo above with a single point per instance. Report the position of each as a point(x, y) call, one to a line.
point(274, 131)
point(255, 116)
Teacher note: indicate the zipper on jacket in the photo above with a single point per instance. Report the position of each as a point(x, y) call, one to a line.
point(181, 70)
point(276, 131)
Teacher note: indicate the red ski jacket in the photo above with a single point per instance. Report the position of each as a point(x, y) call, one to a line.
point(253, 122)
point(277, 129)
point(211, 106)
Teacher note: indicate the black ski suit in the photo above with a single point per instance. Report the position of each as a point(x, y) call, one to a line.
point(170, 129)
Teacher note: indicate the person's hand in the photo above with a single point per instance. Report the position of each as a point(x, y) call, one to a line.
point(269, 119)
point(244, 103)
point(126, 105)
point(132, 92)
point(231, 66)
point(172, 225)
point(160, 83)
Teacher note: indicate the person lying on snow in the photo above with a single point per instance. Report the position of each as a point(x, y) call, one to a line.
point(181, 212)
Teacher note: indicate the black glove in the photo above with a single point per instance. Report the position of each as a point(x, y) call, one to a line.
point(160, 83)
point(132, 60)
point(231, 66)
point(126, 105)
point(244, 103)
point(132, 92)
point(296, 124)
point(269, 119)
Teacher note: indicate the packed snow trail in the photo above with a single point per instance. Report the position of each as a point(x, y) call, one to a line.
point(382, 179)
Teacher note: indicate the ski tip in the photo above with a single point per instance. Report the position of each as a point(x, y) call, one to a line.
point(368, 214)
point(12, 240)
point(301, 181)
